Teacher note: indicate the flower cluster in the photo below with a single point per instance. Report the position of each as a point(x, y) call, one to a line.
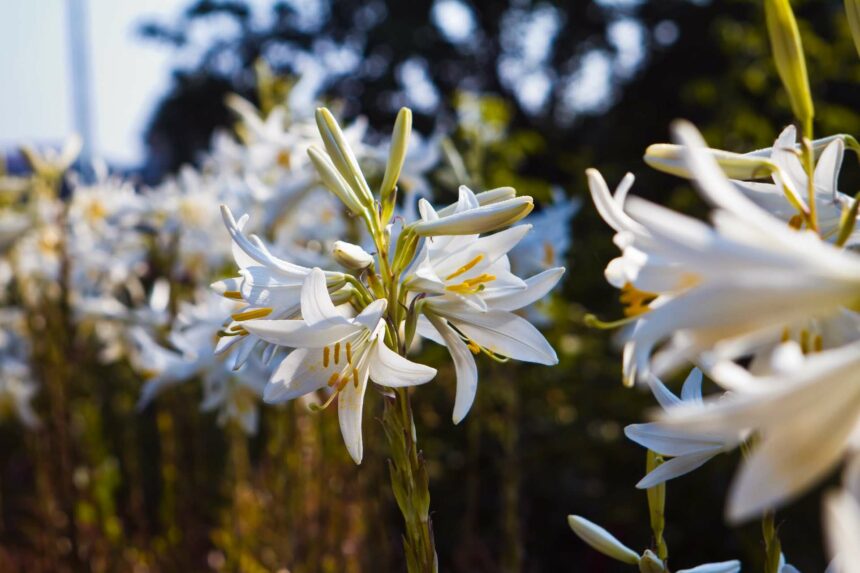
point(763, 299)
point(444, 275)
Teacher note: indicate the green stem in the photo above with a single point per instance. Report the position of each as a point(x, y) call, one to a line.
point(657, 507)
point(772, 545)
point(410, 483)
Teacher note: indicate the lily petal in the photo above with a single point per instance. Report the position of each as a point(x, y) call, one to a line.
point(388, 368)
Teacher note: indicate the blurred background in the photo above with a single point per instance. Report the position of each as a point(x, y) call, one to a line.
point(559, 87)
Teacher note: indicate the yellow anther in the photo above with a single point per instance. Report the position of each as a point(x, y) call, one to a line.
point(283, 159)
point(251, 314)
point(473, 285)
point(796, 222)
point(238, 329)
point(337, 353)
point(234, 294)
point(465, 268)
point(635, 301)
point(326, 352)
point(349, 353)
point(818, 343)
point(355, 377)
point(804, 340)
point(473, 346)
point(333, 379)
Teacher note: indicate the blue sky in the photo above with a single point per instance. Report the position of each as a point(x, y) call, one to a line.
point(128, 74)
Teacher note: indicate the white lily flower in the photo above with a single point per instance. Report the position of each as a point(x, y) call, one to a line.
point(830, 203)
point(750, 275)
point(806, 416)
point(688, 451)
point(473, 296)
point(269, 285)
point(336, 352)
point(842, 521)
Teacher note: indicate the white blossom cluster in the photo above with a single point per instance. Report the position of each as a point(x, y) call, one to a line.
point(135, 263)
point(764, 300)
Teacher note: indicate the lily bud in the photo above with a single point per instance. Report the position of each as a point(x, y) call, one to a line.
point(667, 157)
point(351, 256)
point(396, 157)
point(852, 11)
point(342, 156)
point(790, 62)
point(650, 563)
point(601, 540)
point(484, 198)
point(482, 219)
point(334, 180)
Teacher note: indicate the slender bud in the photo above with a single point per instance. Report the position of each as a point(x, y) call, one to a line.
point(601, 540)
point(852, 10)
point(351, 256)
point(342, 156)
point(396, 157)
point(484, 198)
point(482, 219)
point(334, 181)
point(790, 62)
point(667, 157)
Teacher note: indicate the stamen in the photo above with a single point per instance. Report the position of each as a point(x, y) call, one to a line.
point(796, 222)
point(326, 351)
point(241, 332)
point(355, 377)
point(333, 379)
point(251, 314)
point(818, 343)
point(465, 268)
point(473, 285)
point(337, 352)
point(234, 294)
point(473, 346)
point(349, 353)
point(635, 301)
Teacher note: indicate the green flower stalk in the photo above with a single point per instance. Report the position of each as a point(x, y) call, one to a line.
point(789, 59)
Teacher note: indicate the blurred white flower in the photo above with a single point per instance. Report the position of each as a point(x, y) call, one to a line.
point(688, 451)
point(842, 520)
point(749, 276)
point(805, 416)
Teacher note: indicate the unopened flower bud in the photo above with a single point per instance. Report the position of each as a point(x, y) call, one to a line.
point(667, 157)
point(852, 11)
point(396, 158)
point(342, 156)
point(334, 180)
point(601, 540)
point(351, 256)
point(790, 62)
point(482, 219)
point(484, 198)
